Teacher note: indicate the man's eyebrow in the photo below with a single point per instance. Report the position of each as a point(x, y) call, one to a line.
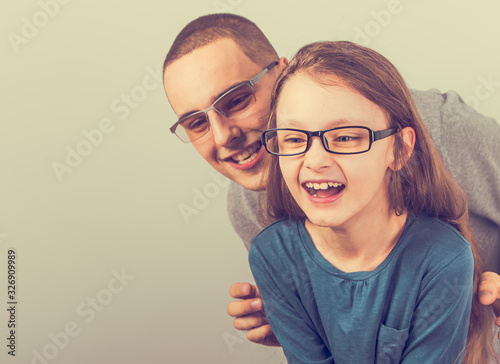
point(213, 98)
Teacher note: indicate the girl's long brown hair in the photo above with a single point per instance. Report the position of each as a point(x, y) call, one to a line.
point(422, 186)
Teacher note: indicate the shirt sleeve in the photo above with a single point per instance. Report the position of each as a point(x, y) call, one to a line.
point(242, 207)
point(288, 318)
point(440, 322)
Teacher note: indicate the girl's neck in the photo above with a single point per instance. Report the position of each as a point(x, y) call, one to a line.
point(361, 245)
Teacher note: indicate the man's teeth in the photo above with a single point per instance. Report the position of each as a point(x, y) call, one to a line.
point(251, 152)
point(323, 185)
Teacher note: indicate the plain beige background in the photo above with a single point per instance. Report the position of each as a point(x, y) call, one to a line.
point(117, 209)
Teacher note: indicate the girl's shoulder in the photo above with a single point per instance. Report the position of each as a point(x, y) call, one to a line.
point(280, 236)
point(432, 230)
point(428, 241)
point(283, 227)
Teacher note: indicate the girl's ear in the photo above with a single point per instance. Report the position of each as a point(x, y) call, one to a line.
point(408, 136)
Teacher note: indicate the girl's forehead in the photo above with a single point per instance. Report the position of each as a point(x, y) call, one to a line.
point(306, 102)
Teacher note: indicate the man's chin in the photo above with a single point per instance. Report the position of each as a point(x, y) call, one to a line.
point(251, 180)
point(254, 187)
point(249, 175)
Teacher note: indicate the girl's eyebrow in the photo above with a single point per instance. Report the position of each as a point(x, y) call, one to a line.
point(292, 122)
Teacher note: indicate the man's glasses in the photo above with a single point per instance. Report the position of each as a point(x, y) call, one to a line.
point(342, 140)
point(232, 103)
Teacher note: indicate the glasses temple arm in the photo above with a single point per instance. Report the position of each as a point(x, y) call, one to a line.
point(381, 134)
point(257, 78)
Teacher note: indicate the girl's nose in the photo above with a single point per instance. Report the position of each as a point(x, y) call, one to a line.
point(317, 157)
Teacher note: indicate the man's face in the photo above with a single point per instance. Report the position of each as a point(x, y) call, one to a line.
point(232, 145)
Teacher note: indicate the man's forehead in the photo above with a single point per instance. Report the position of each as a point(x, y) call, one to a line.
point(193, 81)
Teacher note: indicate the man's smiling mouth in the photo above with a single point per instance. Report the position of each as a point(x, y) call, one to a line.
point(247, 155)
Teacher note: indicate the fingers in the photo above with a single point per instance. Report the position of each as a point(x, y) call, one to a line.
point(244, 307)
point(489, 288)
point(263, 335)
point(244, 290)
point(251, 321)
point(249, 314)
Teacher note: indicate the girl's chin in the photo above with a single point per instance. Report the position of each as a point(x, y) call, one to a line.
point(320, 221)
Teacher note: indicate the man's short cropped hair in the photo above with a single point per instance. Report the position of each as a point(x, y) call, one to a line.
point(210, 28)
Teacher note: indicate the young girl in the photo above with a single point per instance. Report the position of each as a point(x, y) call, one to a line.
point(373, 260)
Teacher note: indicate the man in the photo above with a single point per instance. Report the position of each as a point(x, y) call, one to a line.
point(218, 77)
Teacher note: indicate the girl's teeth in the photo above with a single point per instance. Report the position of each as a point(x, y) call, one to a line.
point(323, 185)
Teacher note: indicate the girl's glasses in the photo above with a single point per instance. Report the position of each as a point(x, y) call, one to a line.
point(341, 140)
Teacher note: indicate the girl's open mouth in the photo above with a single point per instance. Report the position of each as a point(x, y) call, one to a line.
point(323, 189)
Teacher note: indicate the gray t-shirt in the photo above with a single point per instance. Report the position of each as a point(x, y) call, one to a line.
point(469, 144)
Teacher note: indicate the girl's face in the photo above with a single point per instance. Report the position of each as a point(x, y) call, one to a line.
point(360, 179)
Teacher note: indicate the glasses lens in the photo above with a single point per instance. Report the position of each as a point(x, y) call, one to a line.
point(233, 103)
point(192, 127)
point(347, 140)
point(236, 101)
point(286, 142)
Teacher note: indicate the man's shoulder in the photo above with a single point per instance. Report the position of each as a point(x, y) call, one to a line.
point(238, 195)
point(238, 191)
point(242, 207)
point(437, 108)
point(431, 107)
point(434, 100)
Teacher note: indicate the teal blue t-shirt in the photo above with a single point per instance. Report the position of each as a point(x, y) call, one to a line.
point(413, 308)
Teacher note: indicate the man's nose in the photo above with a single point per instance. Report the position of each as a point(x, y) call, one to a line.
point(224, 130)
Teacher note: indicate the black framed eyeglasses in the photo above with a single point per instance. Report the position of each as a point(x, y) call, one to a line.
point(341, 140)
point(230, 104)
